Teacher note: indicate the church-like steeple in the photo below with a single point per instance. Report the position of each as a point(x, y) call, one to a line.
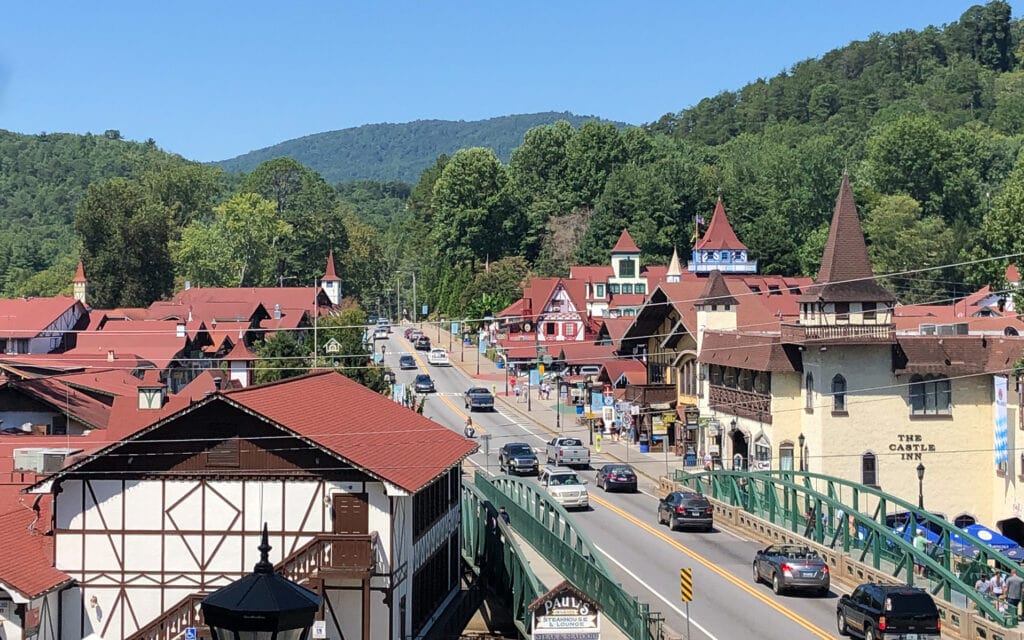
point(846, 274)
point(845, 304)
point(80, 285)
point(331, 283)
point(720, 249)
point(675, 271)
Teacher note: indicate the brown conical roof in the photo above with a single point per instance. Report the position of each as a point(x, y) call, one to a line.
point(80, 273)
point(846, 274)
point(716, 291)
point(720, 234)
point(625, 244)
point(329, 273)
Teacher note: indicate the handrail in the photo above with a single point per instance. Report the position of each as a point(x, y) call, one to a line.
point(175, 619)
point(549, 529)
point(740, 488)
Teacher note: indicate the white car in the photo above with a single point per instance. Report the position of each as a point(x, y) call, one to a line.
point(438, 357)
point(380, 334)
point(565, 487)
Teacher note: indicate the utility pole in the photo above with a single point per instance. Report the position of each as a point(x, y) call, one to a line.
point(415, 311)
point(398, 296)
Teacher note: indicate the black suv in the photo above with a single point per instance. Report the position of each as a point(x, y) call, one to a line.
point(681, 509)
point(517, 458)
point(877, 611)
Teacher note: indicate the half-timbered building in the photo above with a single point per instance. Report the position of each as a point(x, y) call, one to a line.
point(361, 497)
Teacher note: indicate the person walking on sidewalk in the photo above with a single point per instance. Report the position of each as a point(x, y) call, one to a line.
point(1013, 590)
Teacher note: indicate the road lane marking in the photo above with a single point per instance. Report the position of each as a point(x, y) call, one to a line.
point(668, 602)
point(800, 620)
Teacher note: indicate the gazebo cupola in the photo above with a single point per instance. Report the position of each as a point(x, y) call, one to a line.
point(720, 249)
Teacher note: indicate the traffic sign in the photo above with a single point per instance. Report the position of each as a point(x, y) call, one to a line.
point(190, 633)
point(686, 584)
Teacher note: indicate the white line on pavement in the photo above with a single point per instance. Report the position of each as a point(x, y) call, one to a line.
point(656, 594)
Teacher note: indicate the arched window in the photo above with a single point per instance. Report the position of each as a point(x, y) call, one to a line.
point(964, 520)
point(730, 377)
point(715, 372)
point(838, 393)
point(869, 469)
point(746, 380)
point(786, 456)
point(763, 382)
point(809, 389)
point(930, 395)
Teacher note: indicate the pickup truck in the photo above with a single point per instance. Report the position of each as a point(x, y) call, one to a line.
point(565, 487)
point(517, 458)
point(567, 451)
point(479, 398)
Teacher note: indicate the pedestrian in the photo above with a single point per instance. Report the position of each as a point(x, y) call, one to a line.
point(920, 546)
point(707, 461)
point(809, 520)
point(469, 430)
point(515, 390)
point(504, 515)
point(1013, 590)
point(998, 585)
point(983, 586)
point(615, 430)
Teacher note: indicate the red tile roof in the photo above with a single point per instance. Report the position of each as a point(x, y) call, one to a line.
point(288, 297)
point(591, 273)
point(634, 370)
point(748, 350)
point(620, 300)
point(616, 327)
point(28, 317)
point(515, 310)
point(1012, 274)
point(376, 434)
point(625, 244)
point(79, 273)
point(580, 353)
point(719, 234)
point(239, 353)
point(26, 555)
point(153, 340)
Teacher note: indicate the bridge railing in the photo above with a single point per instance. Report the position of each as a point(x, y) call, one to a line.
point(547, 526)
point(856, 525)
point(495, 556)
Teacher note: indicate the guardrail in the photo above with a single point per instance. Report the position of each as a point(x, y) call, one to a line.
point(853, 536)
point(550, 530)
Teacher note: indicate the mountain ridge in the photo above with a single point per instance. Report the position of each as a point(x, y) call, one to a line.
point(400, 151)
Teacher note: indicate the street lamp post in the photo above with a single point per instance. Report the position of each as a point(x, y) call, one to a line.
point(478, 345)
point(263, 604)
point(558, 402)
point(803, 463)
point(920, 486)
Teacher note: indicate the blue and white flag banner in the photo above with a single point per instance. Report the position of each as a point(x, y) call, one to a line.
point(1001, 443)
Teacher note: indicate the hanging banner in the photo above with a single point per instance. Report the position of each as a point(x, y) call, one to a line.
point(1001, 437)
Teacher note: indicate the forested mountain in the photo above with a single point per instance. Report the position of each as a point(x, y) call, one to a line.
point(399, 152)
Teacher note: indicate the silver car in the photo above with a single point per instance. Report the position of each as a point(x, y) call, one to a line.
point(790, 566)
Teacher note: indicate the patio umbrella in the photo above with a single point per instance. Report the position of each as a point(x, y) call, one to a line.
point(992, 539)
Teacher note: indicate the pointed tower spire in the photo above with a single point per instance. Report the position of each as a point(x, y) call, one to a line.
point(625, 244)
point(80, 285)
point(331, 283)
point(675, 271)
point(846, 274)
point(720, 249)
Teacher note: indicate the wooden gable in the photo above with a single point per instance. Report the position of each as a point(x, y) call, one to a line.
point(218, 440)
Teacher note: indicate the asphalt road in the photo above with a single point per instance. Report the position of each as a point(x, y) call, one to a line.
point(646, 556)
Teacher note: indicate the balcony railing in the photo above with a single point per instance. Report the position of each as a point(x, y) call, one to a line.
point(845, 333)
point(646, 394)
point(325, 556)
point(746, 404)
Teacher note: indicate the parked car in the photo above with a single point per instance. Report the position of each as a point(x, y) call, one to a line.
point(438, 357)
point(517, 458)
point(567, 451)
point(617, 476)
point(407, 362)
point(565, 487)
point(422, 343)
point(423, 384)
point(590, 370)
point(380, 334)
point(792, 566)
point(681, 509)
point(478, 398)
point(876, 611)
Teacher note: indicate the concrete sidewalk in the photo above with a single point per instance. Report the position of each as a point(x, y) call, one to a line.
point(543, 414)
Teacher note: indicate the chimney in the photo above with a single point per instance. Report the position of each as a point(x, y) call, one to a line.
point(188, 285)
point(110, 355)
point(217, 380)
point(277, 312)
point(179, 331)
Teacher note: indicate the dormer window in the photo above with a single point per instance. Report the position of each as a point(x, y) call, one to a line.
point(598, 290)
point(613, 289)
point(640, 288)
point(627, 288)
point(773, 290)
point(627, 268)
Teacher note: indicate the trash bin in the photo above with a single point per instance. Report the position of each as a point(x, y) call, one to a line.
point(501, 364)
point(579, 409)
point(644, 446)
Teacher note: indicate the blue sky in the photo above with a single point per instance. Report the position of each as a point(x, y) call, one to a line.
point(211, 80)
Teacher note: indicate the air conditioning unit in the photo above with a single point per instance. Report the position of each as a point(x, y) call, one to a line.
point(41, 460)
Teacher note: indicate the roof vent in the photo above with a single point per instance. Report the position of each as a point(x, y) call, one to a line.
point(179, 330)
point(277, 312)
point(188, 285)
point(110, 355)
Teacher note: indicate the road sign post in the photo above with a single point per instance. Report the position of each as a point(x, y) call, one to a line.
point(686, 593)
point(486, 437)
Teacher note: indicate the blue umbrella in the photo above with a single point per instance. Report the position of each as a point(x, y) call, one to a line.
point(993, 539)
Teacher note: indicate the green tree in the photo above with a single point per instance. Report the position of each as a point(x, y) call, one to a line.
point(187, 190)
point(902, 240)
point(124, 236)
point(280, 356)
point(503, 281)
point(237, 248)
point(353, 358)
